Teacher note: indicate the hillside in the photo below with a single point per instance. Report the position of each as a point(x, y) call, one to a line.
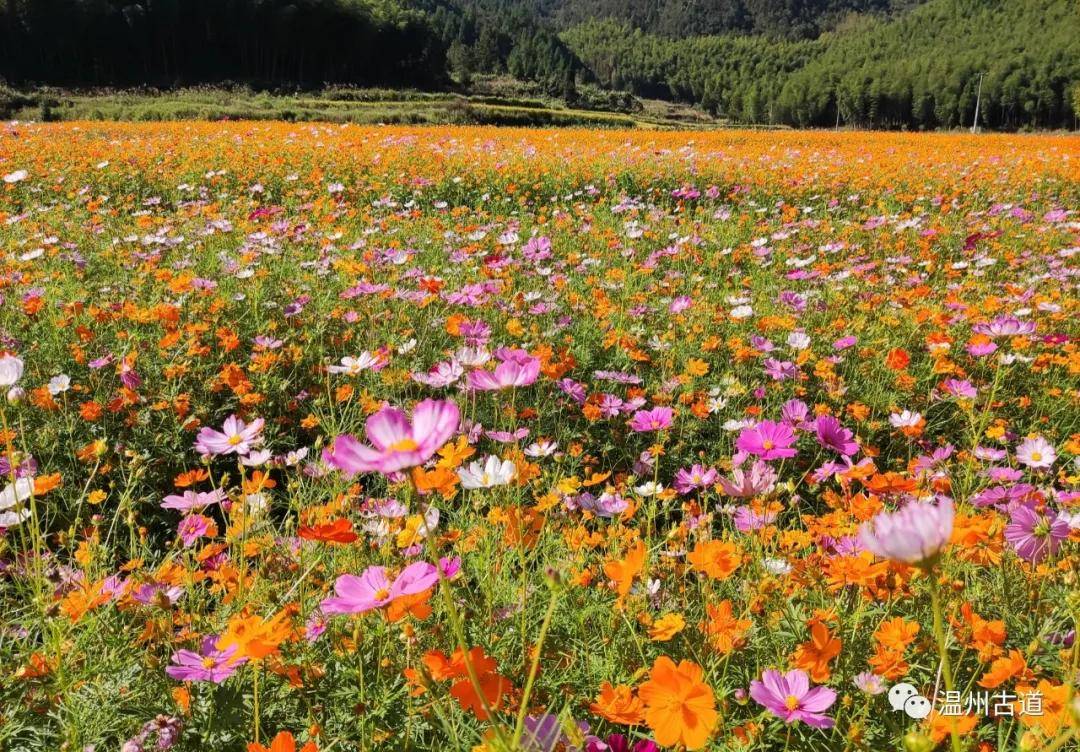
point(865, 63)
point(920, 69)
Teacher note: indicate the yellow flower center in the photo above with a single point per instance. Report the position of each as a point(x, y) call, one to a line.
point(235, 439)
point(1036, 456)
point(405, 445)
point(791, 702)
point(382, 594)
point(208, 662)
point(768, 444)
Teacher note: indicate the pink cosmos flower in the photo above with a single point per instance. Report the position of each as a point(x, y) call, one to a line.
point(870, 683)
point(235, 437)
point(657, 419)
point(832, 435)
point(508, 374)
point(1035, 536)
point(441, 374)
point(192, 527)
point(960, 388)
point(1036, 453)
point(373, 589)
point(790, 698)
point(914, 534)
point(758, 479)
point(689, 479)
point(1005, 326)
point(746, 519)
point(396, 442)
point(193, 500)
point(767, 440)
point(980, 349)
point(210, 665)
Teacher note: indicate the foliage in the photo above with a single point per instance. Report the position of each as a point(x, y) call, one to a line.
point(918, 70)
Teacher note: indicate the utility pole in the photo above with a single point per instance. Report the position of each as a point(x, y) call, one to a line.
point(978, 98)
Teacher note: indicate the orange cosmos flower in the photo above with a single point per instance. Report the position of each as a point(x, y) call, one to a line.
point(679, 706)
point(283, 742)
point(666, 627)
point(253, 637)
point(618, 705)
point(1054, 700)
point(623, 571)
point(493, 686)
point(897, 359)
point(941, 726)
point(716, 559)
point(814, 656)
point(724, 631)
point(338, 531)
point(1005, 669)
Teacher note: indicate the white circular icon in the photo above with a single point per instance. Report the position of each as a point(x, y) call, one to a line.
point(899, 694)
point(917, 707)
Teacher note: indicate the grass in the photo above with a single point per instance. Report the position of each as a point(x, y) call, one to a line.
point(333, 105)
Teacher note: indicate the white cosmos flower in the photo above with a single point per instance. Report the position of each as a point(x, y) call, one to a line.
point(742, 312)
point(649, 488)
point(541, 448)
point(256, 458)
point(11, 519)
point(493, 472)
point(15, 177)
point(472, 357)
point(11, 370)
point(353, 366)
point(776, 566)
point(716, 404)
point(59, 384)
point(16, 493)
point(798, 340)
point(906, 419)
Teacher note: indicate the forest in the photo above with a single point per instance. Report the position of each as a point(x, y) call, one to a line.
point(890, 64)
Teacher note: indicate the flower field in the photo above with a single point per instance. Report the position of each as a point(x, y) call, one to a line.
point(342, 438)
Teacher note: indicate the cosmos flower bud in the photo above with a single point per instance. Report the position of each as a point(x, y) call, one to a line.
point(918, 742)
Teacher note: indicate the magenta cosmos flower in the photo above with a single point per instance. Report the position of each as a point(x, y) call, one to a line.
point(914, 534)
point(1035, 536)
point(832, 435)
point(396, 442)
point(790, 698)
point(210, 665)
point(373, 589)
point(656, 419)
point(520, 371)
point(768, 440)
point(235, 437)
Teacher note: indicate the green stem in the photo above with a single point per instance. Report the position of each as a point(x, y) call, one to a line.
point(255, 699)
point(519, 727)
point(943, 649)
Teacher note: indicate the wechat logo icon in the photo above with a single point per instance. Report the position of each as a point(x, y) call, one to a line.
point(905, 697)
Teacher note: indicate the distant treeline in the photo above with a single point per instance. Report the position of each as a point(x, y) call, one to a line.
point(920, 70)
point(281, 43)
point(868, 63)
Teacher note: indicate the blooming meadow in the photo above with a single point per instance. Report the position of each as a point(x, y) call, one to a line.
point(339, 438)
